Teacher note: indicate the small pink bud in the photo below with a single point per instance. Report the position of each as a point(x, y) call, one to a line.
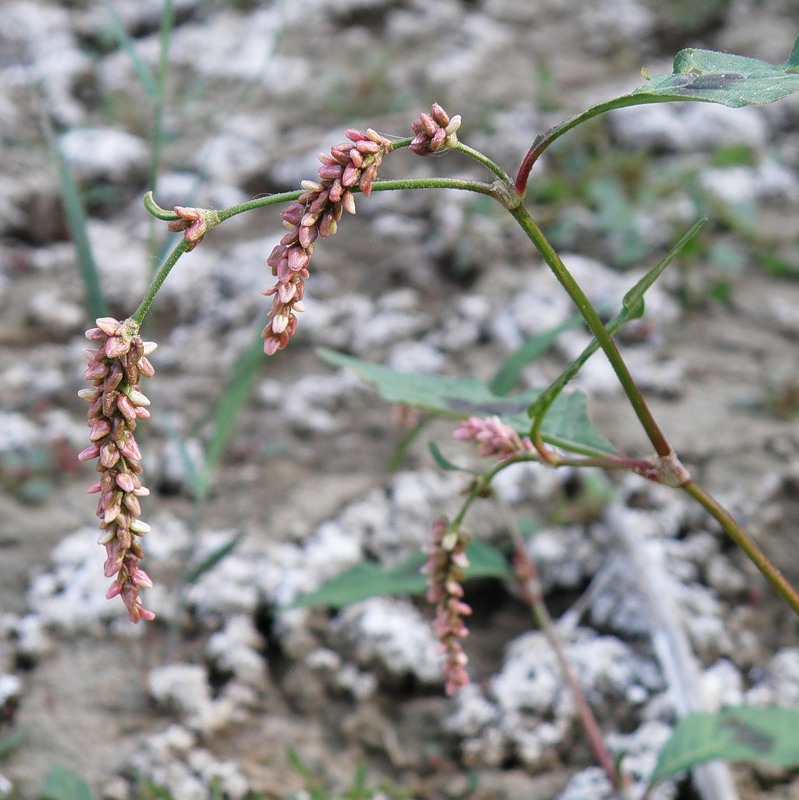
point(137, 526)
point(89, 453)
point(108, 325)
point(439, 115)
point(141, 579)
point(348, 202)
point(351, 176)
point(127, 446)
point(125, 481)
point(116, 346)
point(99, 429)
point(137, 398)
point(280, 323)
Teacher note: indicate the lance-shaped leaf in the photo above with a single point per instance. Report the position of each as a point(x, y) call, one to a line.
point(731, 80)
point(699, 75)
point(769, 735)
point(367, 579)
point(566, 425)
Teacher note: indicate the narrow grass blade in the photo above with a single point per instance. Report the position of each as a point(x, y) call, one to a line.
point(443, 461)
point(398, 456)
point(507, 376)
point(229, 406)
point(126, 42)
point(214, 558)
point(78, 228)
point(632, 308)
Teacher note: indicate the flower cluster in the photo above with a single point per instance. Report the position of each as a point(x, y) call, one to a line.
point(434, 131)
point(446, 560)
point(494, 437)
point(316, 213)
point(115, 405)
point(195, 223)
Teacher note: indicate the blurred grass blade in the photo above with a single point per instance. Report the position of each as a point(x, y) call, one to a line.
point(165, 37)
point(635, 296)
point(212, 559)
point(401, 450)
point(195, 476)
point(443, 461)
point(507, 376)
point(232, 401)
point(632, 308)
point(75, 213)
point(126, 42)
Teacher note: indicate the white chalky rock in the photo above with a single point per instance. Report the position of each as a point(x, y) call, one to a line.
point(72, 596)
point(641, 749)
point(393, 638)
point(236, 649)
point(722, 685)
point(173, 761)
point(689, 126)
point(10, 688)
point(529, 709)
point(779, 684)
point(588, 784)
point(184, 687)
point(105, 153)
point(415, 357)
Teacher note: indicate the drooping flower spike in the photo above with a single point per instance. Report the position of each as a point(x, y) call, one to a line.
point(116, 403)
point(316, 213)
point(446, 562)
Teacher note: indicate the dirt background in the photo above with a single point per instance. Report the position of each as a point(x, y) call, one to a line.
point(254, 90)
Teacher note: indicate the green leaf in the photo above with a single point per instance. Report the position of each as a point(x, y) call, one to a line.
point(731, 80)
point(567, 425)
point(368, 579)
point(769, 735)
point(699, 75)
point(509, 371)
point(12, 741)
point(63, 784)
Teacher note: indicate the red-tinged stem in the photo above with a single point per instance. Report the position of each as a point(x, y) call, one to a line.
point(531, 594)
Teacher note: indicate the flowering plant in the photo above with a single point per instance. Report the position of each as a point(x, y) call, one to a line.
point(554, 430)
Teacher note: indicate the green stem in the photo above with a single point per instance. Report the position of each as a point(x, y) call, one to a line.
point(477, 156)
point(771, 573)
point(556, 131)
point(286, 197)
point(597, 328)
point(158, 280)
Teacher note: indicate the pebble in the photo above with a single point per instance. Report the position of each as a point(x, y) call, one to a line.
point(105, 154)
